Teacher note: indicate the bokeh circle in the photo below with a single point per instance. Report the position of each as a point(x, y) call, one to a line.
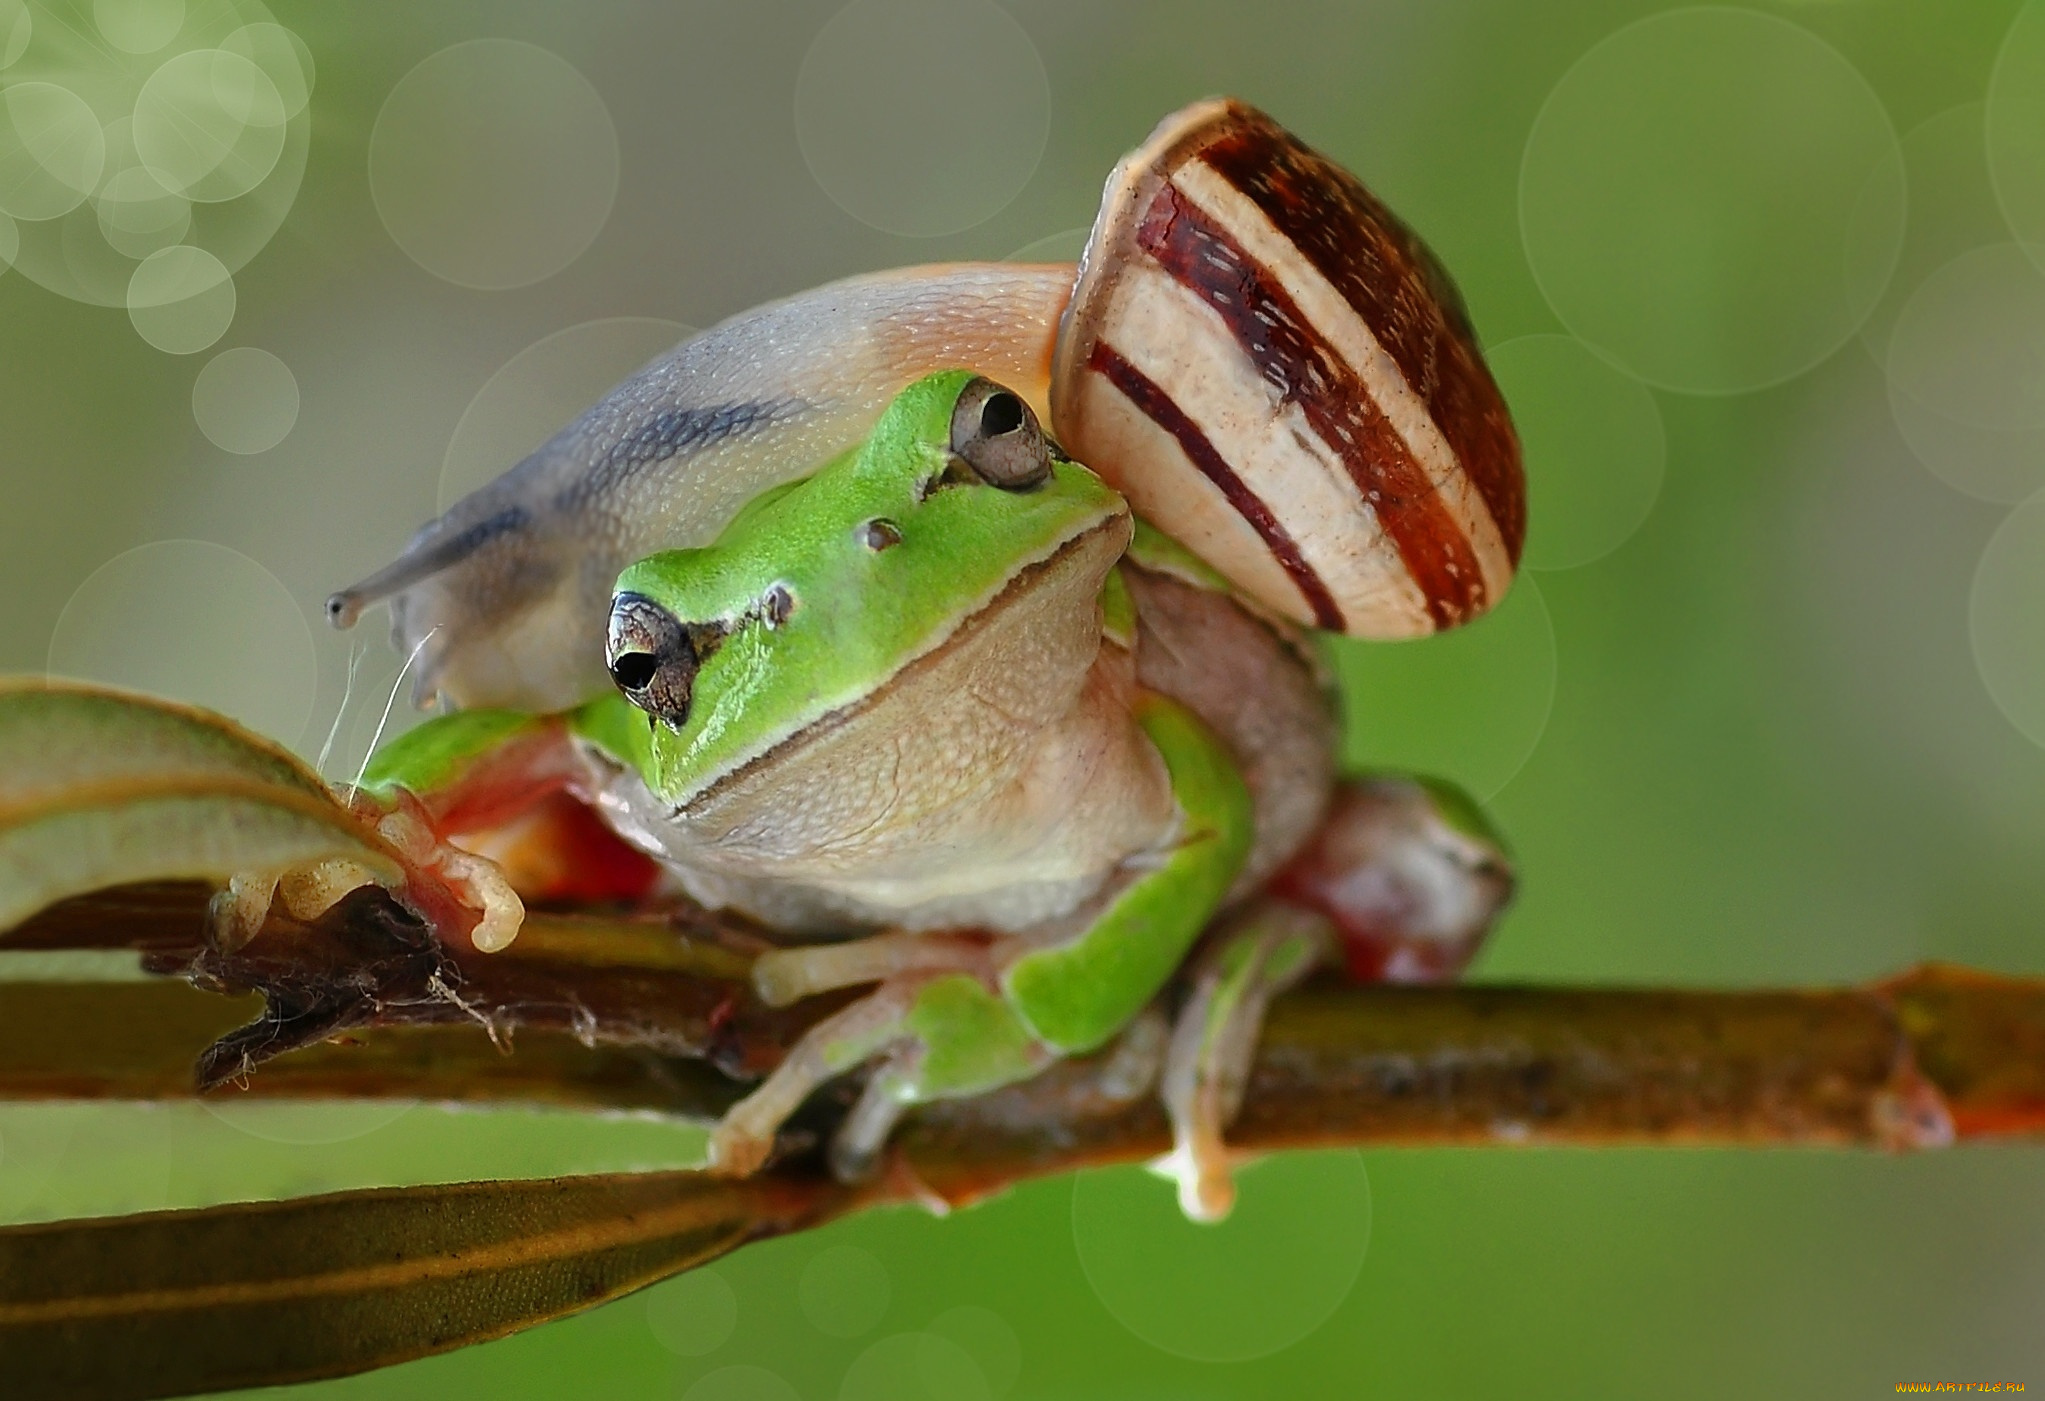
point(138, 26)
point(494, 164)
point(245, 400)
point(282, 56)
point(844, 1291)
point(2015, 126)
point(197, 622)
point(2005, 613)
point(1469, 705)
point(204, 140)
point(1966, 371)
point(1260, 1281)
point(52, 150)
point(986, 1336)
point(693, 1315)
point(914, 1367)
point(17, 27)
point(1593, 444)
point(741, 1383)
point(1714, 198)
point(1971, 340)
point(306, 1125)
point(138, 216)
point(922, 117)
point(181, 299)
point(210, 125)
point(541, 390)
point(1065, 246)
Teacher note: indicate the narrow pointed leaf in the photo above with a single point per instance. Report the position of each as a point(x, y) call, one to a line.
point(173, 1303)
point(108, 1040)
point(101, 788)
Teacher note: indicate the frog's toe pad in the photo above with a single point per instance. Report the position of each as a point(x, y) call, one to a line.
point(1206, 1179)
point(737, 1152)
point(478, 884)
point(453, 889)
point(237, 913)
point(305, 891)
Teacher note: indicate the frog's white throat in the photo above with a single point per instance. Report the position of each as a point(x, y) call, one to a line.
point(996, 780)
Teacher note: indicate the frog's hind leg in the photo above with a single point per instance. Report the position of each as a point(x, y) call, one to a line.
point(902, 962)
point(1401, 883)
point(882, 1102)
point(742, 1140)
point(1410, 872)
point(791, 974)
point(1261, 953)
point(943, 1035)
point(979, 1014)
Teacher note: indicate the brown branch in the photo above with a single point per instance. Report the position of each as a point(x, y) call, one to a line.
point(623, 1014)
point(676, 984)
point(630, 1015)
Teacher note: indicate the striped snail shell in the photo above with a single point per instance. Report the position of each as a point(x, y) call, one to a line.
point(1277, 372)
point(1267, 363)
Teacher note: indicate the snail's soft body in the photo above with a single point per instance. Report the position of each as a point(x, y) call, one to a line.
point(820, 619)
point(1269, 365)
point(505, 595)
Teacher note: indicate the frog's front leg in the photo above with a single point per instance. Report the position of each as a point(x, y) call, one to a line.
point(478, 807)
point(936, 1035)
point(957, 1017)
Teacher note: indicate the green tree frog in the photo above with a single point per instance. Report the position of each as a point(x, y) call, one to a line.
point(948, 693)
point(1038, 753)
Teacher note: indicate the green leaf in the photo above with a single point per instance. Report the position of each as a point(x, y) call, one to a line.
point(131, 1041)
point(172, 1303)
point(100, 788)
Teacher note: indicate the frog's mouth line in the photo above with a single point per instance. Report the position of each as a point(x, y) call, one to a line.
point(981, 618)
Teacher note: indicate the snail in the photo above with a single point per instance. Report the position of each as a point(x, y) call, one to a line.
point(1268, 364)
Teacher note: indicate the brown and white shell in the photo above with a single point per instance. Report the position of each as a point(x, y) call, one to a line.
point(1277, 372)
point(1256, 352)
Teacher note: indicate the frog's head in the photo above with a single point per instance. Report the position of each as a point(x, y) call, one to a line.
point(824, 589)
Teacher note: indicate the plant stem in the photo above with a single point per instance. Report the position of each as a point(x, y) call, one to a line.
point(1937, 1055)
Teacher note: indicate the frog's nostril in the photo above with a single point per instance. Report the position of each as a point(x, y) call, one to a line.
point(634, 669)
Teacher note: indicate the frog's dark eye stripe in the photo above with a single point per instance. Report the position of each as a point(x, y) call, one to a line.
point(1299, 381)
point(653, 658)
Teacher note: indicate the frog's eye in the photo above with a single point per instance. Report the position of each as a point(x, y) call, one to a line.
point(652, 657)
point(994, 433)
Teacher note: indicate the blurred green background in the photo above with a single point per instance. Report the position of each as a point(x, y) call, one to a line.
point(1763, 286)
